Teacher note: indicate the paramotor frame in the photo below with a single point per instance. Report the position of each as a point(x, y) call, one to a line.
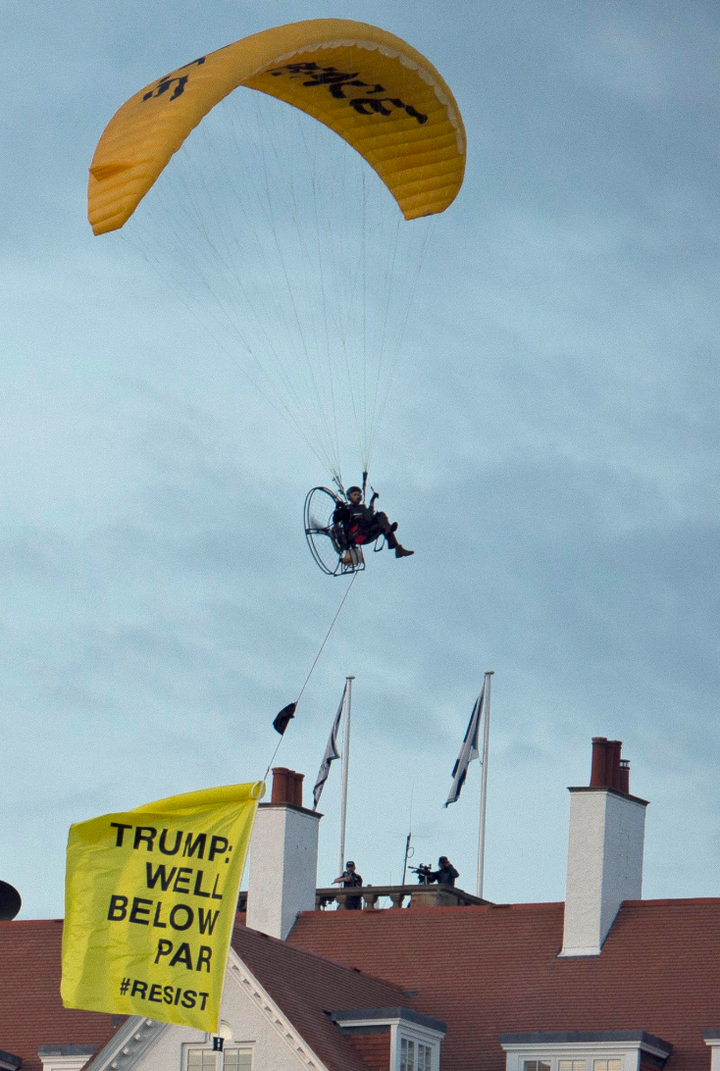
point(326, 539)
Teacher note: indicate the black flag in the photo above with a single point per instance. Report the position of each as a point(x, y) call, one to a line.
point(283, 718)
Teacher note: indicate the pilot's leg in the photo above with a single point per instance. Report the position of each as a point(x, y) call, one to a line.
point(388, 530)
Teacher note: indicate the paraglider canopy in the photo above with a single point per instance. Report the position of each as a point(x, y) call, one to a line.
point(285, 246)
point(370, 87)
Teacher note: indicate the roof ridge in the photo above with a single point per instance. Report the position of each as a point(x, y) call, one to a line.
point(672, 901)
point(450, 909)
point(29, 922)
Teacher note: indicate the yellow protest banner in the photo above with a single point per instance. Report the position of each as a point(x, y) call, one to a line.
point(150, 899)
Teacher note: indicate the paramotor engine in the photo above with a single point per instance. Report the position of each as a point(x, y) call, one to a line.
point(332, 547)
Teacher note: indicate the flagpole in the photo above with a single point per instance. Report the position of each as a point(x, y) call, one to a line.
point(483, 786)
point(345, 764)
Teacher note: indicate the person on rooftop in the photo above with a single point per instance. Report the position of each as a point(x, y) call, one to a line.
point(350, 879)
point(446, 874)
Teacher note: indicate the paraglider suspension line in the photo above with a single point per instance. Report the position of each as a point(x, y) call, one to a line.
point(312, 667)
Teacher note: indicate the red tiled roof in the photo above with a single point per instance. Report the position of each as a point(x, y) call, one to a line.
point(495, 969)
point(483, 970)
point(307, 987)
point(303, 984)
point(31, 1012)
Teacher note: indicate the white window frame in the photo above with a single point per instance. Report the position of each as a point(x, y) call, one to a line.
point(405, 1034)
point(207, 1046)
point(629, 1052)
point(423, 1035)
point(60, 1062)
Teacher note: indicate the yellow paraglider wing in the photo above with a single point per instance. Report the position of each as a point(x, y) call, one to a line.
point(379, 94)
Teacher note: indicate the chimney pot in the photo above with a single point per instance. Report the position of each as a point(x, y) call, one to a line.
point(599, 762)
point(612, 769)
point(287, 786)
point(625, 775)
point(605, 770)
point(283, 786)
point(298, 779)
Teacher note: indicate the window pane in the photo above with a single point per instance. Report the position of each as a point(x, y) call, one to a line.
point(424, 1062)
point(234, 1059)
point(202, 1060)
point(237, 1059)
point(407, 1055)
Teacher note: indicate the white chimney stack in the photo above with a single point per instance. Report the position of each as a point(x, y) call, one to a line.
point(283, 858)
point(605, 851)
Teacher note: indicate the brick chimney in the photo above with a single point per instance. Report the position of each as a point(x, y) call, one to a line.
point(283, 858)
point(605, 850)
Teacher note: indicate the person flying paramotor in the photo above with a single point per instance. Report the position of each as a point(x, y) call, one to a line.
point(319, 313)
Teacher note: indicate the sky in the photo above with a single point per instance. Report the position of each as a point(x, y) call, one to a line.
point(549, 448)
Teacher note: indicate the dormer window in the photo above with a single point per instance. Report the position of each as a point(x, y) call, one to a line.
point(576, 1050)
point(65, 1057)
point(412, 1041)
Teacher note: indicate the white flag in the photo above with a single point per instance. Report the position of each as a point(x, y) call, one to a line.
point(470, 750)
point(331, 753)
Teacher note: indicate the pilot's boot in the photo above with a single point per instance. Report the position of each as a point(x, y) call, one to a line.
point(393, 544)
